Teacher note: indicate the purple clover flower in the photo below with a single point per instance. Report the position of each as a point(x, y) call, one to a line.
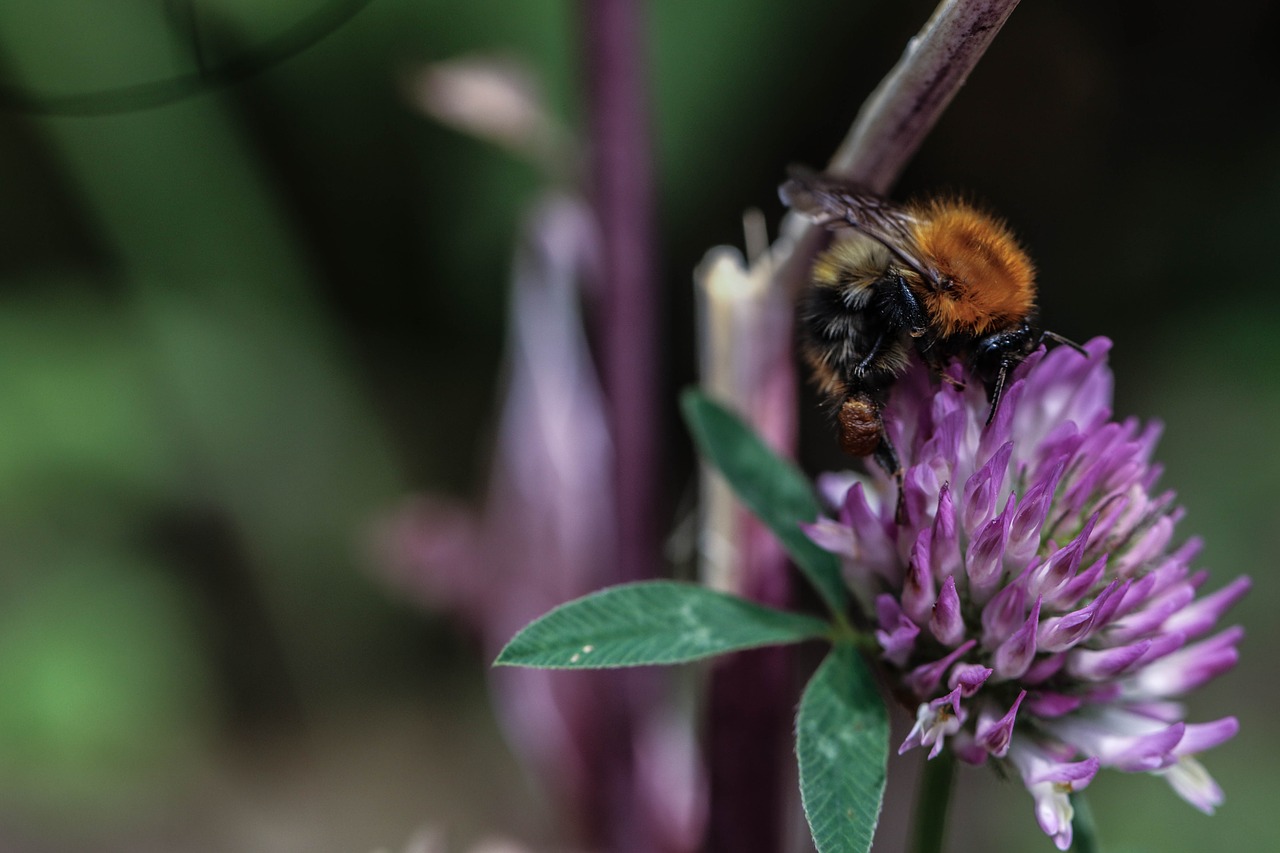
point(1032, 603)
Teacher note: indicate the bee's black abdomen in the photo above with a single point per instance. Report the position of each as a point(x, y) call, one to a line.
point(826, 317)
point(850, 347)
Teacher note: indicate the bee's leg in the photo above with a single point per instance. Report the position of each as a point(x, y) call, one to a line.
point(893, 301)
point(997, 354)
point(997, 389)
point(869, 359)
point(897, 311)
point(862, 434)
point(861, 428)
point(937, 362)
point(1046, 335)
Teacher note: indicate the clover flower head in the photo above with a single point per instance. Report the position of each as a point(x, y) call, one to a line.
point(1032, 602)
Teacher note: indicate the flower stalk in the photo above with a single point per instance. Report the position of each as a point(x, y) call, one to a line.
point(1086, 830)
point(932, 805)
point(894, 121)
point(906, 105)
point(622, 196)
point(745, 362)
point(621, 193)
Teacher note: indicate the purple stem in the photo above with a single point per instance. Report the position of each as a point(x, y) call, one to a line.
point(627, 336)
point(624, 205)
point(752, 698)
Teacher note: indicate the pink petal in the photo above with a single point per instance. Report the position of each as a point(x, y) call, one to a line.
point(995, 734)
point(946, 623)
point(1198, 617)
point(1014, 655)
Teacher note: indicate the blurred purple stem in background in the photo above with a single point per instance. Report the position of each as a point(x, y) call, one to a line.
point(626, 338)
point(749, 700)
point(615, 762)
point(573, 500)
point(622, 195)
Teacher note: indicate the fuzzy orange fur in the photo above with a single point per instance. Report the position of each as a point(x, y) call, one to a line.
point(992, 279)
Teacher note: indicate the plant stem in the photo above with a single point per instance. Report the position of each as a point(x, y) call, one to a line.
point(899, 114)
point(745, 362)
point(894, 121)
point(932, 804)
point(623, 199)
point(1083, 829)
point(626, 331)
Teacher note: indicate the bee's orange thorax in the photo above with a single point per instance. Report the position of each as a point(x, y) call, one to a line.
point(989, 282)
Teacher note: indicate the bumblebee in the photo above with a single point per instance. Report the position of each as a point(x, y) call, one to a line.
point(939, 279)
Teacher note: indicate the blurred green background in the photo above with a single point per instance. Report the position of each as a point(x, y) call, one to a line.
point(236, 330)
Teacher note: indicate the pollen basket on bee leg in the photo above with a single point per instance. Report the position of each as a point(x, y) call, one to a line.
point(860, 425)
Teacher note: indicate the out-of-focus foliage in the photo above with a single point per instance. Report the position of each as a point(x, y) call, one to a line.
point(235, 330)
point(104, 682)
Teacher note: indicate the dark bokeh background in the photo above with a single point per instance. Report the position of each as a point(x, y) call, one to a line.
point(237, 330)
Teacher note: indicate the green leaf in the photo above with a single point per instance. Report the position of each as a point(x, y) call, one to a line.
point(771, 487)
point(842, 740)
point(653, 622)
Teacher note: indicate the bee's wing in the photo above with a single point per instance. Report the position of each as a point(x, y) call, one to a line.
point(838, 204)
